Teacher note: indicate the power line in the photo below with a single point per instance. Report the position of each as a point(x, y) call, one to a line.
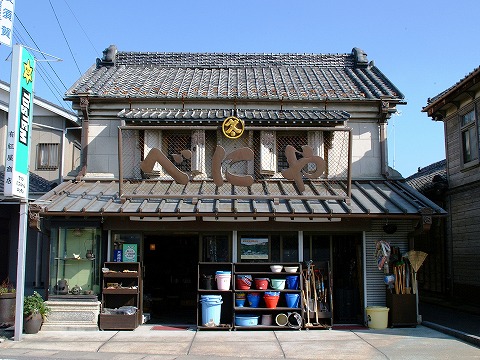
point(71, 52)
point(81, 27)
point(38, 48)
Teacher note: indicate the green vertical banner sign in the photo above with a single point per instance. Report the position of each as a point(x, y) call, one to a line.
point(19, 123)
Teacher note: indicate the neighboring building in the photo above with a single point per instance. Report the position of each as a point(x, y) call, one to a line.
point(458, 107)
point(434, 275)
point(55, 156)
point(288, 150)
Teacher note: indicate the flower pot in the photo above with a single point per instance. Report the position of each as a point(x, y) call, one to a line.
point(7, 309)
point(32, 323)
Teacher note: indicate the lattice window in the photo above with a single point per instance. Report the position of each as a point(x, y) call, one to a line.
point(48, 156)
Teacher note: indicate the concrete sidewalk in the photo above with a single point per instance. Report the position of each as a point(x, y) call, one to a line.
point(144, 343)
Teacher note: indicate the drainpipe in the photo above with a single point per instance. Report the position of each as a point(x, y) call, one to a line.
point(84, 108)
point(384, 115)
point(383, 148)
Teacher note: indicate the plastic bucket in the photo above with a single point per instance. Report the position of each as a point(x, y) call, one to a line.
point(261, 283)
point(243, 282)
point(295, 320)
point(277, 284)
point(377, 317)
point(253, 299)
point(207, 282)
point(211, 309)
point(239, 302)
point(281, 319)
point(291, 282)
point(246, 320)
point(223, 280)
point(292, 300)
point(267, 319)
point(271, 301)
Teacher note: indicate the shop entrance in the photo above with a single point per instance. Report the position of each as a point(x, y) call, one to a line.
point(347, 279)
point(170, 278)
point(343, 252)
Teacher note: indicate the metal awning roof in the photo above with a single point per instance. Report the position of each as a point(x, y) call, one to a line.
point(369, 198)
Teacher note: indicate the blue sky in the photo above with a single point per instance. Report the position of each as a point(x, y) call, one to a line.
point(423, 47)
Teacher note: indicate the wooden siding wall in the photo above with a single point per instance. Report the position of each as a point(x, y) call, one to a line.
point(376, 289)
point(464, 229)
point(458, 174)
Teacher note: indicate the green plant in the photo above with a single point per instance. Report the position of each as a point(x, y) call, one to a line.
point(34, 304)
point(6, 287)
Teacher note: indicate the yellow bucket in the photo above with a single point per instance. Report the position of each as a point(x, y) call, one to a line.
point(377, 317)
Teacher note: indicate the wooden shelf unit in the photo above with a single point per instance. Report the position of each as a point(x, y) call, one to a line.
point(127, 276)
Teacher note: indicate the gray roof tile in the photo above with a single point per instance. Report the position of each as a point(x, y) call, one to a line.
point(304, 77)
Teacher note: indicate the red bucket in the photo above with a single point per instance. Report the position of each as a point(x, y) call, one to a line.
point(261, 283)
point(271, 301)
point(243, 282)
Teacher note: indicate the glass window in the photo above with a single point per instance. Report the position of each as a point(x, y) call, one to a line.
point(469, 137)
point(127, 248)
point(74, 268)
point(215, 248)
point(47, 156)
point(174, 144)
point(296, 140)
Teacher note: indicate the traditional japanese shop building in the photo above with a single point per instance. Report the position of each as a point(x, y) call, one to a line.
point(189, 157)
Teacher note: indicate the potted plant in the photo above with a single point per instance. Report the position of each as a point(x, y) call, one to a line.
point(34, 312)
point(7, 303)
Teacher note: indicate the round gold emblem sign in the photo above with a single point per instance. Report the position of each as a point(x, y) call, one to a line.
point(233, 127)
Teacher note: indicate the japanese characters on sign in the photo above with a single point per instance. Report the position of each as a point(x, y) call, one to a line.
point(6, 21)
point(19, 124)
point(295, 171)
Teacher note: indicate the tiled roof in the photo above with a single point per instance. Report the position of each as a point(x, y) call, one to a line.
point(251, 117)
point(213, 76)
point(369, 198)
point(472, 74)
point(37, 184)
point(423, 180)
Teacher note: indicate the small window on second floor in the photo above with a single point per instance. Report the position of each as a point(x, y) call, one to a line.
point(175, 143)
point(469, 137)
point(48, 156)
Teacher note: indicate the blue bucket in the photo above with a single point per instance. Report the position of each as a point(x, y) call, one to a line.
point(239, 302)
point(291, 282)
point(292, 300)
point(246, 320)
point(211, 309)
point(253, 299)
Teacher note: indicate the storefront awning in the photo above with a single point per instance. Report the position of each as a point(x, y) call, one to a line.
point(380, 198)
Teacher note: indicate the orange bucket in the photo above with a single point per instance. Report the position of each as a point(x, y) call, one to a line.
point(271, 301)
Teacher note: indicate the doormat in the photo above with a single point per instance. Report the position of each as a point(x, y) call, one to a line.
point(170, 327)
point(349, 327)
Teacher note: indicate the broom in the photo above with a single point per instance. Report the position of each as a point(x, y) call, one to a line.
point(416, 259)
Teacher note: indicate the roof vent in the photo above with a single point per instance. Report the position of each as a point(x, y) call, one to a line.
point(108, 58)
point(360, 57)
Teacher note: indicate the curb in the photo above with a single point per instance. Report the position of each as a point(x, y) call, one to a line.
point(472, 339)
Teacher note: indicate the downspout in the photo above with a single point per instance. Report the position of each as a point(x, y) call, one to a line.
point(384, 115)
point(383, 148)
point(84, 140)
